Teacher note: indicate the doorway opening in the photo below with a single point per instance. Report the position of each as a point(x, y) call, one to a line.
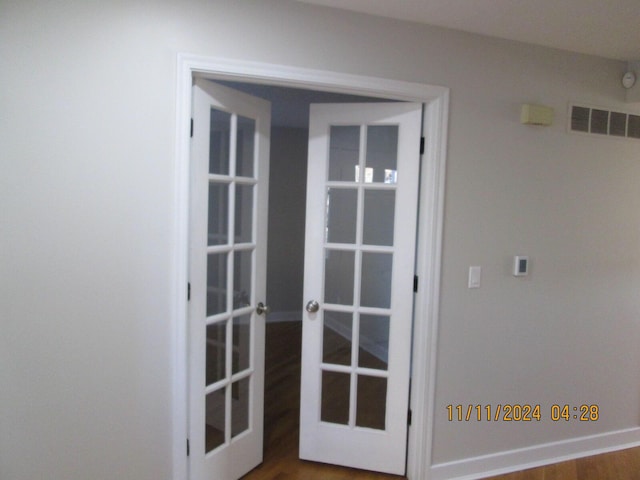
point(427, 265)
point(285, 275)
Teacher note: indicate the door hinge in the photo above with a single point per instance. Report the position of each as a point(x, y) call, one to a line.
point(421, 145)
point(188, 451)
point(415, 284)
point(409, 417)
point(188, 291)
point(191, 127)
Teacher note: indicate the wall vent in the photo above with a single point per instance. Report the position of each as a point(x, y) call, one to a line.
point(599, 121)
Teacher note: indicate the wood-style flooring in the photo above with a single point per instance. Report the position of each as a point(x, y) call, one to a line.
point(282, 403)
point(620, 465)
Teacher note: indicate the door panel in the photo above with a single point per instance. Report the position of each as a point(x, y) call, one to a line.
point(229, 180)
point(359, 264)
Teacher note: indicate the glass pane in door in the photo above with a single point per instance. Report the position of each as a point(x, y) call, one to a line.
point(218, 213)
point(214, 419)
point(372, 402)
point(379, 217)
point(240, 406)
point(337, 337)
point(382, 154)
point(216, 356)
point(344, 153)
point(244, 213)
point(342, 206)
point(219, 137)
point(216, 283)
point(335, 397)
point(241, 343)
point(242, 269)
point(339, 276)
point(373, 341)
point(244, 146)
point(376, 279)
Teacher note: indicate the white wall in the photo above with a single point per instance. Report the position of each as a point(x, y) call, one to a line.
point(87, 224)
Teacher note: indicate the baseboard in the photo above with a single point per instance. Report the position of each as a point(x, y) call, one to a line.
point(275, 317)
point(524, 458)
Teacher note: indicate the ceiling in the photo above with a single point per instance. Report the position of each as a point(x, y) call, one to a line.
point(606, 28)
point(290, 106)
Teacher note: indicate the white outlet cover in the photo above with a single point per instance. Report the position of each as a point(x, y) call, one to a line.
point(520, 265)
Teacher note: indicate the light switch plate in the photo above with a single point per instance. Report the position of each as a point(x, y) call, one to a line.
point(520, 265)
point(475, 275)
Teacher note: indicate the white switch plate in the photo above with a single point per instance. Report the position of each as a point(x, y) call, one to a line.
point(520, 266)
point(475, 274)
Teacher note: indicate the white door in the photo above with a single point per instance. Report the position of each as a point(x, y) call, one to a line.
point(358, 286)
point(227, 263)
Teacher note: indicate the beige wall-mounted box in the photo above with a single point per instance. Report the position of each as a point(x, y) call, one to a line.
point(536, 115)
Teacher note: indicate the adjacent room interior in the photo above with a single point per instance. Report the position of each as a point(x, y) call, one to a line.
point(285, 276)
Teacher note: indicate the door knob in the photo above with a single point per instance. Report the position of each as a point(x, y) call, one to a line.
point(263, 309)
point(312, 306)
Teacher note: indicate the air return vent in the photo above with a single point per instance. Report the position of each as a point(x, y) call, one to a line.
point(600, 121)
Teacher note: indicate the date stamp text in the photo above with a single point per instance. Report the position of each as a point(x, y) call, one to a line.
point(522, 413)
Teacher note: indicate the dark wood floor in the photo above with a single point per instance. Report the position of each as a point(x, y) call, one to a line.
point(282, 402)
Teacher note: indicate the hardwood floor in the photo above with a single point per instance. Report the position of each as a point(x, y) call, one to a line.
point(282, 396)
point(620, 465)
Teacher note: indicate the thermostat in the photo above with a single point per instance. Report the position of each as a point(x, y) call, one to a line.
point(628, 80)
point(520, 266)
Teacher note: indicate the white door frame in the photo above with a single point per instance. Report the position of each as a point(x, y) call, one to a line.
point(430, 224)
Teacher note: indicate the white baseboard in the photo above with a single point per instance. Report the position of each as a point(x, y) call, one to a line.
point(524, 458)
point(275, 317)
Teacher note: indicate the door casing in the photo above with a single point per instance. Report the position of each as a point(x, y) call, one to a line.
point(430, 226)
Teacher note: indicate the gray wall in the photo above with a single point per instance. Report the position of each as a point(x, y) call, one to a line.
point(88, 222)
point(287, 194)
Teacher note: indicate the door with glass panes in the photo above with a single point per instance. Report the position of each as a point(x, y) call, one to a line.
point(227, 274)
point(362, 189)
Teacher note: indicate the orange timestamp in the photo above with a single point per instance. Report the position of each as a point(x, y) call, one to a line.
point(522, 413)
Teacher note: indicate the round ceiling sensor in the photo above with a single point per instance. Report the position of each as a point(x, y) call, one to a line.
point(629, 80)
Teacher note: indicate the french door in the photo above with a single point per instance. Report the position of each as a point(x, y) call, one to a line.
point(362, 192)
point(227, 272)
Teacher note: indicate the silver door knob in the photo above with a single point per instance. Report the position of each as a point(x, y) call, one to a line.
point(263, 309)
point(312, 306)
